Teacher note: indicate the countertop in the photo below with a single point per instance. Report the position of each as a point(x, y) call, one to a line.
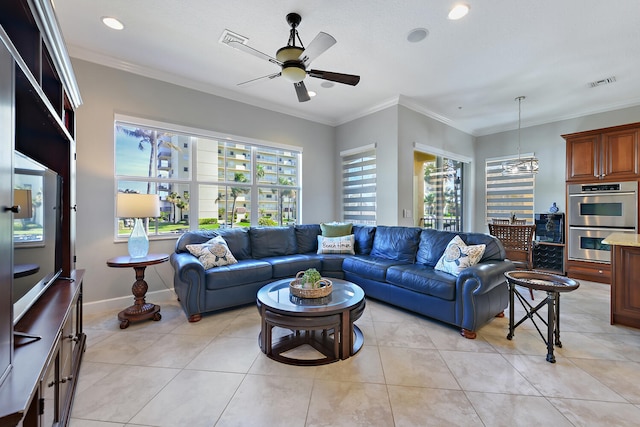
point(623, 239)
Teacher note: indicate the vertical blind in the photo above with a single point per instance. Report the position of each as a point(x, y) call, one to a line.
point(507, 194)
point(359, 186)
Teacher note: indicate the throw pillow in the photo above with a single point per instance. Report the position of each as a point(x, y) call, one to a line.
point(336, 245)
point(458, 256)
point(213, 253)
point(336, 229)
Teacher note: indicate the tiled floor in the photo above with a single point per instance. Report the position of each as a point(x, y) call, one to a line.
point(412, 371)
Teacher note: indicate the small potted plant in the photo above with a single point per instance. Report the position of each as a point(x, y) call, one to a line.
point(310, 284)
point(310, 278)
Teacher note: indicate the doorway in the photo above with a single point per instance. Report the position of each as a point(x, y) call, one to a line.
point(438, 192)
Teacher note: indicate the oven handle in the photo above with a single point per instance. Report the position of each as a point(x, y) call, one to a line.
point(596, 194)
point(613, 230)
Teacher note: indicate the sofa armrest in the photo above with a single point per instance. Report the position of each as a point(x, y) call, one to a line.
point(483, 276)
point(481, 293)
point(188, 282)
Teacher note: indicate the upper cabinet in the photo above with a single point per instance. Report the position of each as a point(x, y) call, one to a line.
point(603, 154)
point(43, 68)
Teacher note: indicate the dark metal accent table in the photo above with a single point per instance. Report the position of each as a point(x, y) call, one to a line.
point(326, 323)
point(140, 310)
point(553, 285)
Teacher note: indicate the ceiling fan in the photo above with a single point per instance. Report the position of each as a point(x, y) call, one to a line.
point(295, 60)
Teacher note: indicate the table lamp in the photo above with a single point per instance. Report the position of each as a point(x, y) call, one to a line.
point(138, 206)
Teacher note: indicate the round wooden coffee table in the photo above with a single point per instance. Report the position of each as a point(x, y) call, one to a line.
point(326, 323)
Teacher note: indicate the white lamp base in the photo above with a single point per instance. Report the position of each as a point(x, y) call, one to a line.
point(138, 244)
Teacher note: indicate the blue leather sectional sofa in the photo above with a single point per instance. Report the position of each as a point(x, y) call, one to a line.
point(391, 264)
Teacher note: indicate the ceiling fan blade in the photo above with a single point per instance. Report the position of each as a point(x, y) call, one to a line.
point(318, 45)
point(347, 79)
point(301, 91)
point(251, 51)
point(258, 79)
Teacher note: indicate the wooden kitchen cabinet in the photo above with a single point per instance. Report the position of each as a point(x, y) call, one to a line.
point(625, 290)
point(609, 154)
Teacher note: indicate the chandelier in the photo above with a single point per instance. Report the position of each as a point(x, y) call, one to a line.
point(520, 166)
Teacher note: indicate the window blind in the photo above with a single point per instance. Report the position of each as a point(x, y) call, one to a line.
point(506, 194)
point(359, 186)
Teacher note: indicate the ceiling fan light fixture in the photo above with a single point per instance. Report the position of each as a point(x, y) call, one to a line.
point(458, 11)
point(289, 53)
point(294, 73)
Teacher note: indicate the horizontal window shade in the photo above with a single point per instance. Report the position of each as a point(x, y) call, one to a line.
point(359, 187)
point(507, 194)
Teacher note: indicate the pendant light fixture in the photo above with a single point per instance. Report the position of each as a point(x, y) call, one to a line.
point(527, 165)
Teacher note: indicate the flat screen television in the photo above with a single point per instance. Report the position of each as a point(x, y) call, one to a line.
point(37, 250)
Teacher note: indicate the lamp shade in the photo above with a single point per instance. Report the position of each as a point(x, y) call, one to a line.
point(23, 199)
point(134, 205)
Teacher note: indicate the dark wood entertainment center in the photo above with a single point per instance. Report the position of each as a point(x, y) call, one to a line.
point(38, 97)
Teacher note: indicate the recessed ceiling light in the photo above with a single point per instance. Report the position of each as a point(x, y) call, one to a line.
point(327, 85)
point(112, 23)
point(417, 34)
point(311, 93)
point(458, 11)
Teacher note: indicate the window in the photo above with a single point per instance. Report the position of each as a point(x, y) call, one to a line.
point(507, 195)
point(205, 180)
point(442, 195)
point(439, 188)
point(359, 185)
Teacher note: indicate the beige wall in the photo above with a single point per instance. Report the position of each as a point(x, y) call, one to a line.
point(550, 148)
point(105, 92)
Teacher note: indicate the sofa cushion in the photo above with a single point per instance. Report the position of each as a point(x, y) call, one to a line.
point(272, 241)
point(194, 238)
point(213, 253)
point(306, 237)
point(242, 273)
point(493, 251)
point(237, 239)
point(396, 243)
point(432, 246)
point(363, 236)
point(331, 262)
point(290, 265)
point(336, 245)
point(423, 279)
point(458, 256)
point(336, 229)
point(369, 267)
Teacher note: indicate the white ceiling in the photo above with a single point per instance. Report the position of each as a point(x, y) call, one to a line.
point(466, 73)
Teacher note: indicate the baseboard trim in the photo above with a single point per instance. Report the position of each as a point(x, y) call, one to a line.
point(120, 303)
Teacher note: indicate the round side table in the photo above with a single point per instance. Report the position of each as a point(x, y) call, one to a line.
point(553, 285)
point(140, 310)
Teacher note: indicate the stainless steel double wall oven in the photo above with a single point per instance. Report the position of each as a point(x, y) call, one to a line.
point(594, 212)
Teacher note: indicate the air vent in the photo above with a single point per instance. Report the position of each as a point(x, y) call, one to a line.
point(602, 82)
point(229, 36)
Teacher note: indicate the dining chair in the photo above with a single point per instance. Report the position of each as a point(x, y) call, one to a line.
point(518, 244)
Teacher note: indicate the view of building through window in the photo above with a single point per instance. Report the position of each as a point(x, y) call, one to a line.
point(204, 181)
point(442, 198)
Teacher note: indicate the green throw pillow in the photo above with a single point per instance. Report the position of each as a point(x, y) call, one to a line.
point(336, 229)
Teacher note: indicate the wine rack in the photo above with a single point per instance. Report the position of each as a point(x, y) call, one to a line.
point(548, 256)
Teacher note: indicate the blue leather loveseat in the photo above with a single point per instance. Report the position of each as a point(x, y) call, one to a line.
point(391, 264)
